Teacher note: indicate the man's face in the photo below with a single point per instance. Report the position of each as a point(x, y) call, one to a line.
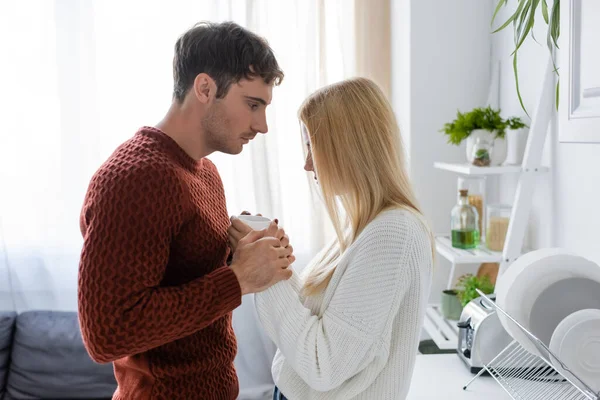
point(234, 120)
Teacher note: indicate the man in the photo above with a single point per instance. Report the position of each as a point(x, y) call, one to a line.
point(155, 292)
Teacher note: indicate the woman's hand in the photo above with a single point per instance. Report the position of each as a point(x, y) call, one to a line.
point(238, 229)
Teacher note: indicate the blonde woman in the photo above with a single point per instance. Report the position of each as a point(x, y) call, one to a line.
point(349, 327)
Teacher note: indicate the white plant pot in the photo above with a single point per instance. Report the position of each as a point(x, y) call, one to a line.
point(517, 141)
point(498, 151)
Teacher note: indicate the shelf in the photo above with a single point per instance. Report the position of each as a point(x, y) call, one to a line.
point(481, 254)
point(442, 331)
point(468, 169)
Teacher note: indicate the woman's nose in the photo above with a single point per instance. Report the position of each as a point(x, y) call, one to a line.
point(308, 165)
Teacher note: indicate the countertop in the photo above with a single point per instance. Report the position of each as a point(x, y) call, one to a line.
point(442, 376)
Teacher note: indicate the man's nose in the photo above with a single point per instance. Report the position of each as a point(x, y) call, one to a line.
point(261, 125)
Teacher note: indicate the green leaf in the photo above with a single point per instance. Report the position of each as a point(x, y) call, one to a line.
point(528, 25)
point(557, 98)
point(479, 118)
point(466, 285)
point(523, 21)
point(524, 14)
point(498, 7)
point(533, 37)
point(549, 38)
point(517, 83)
point(512, 17)
point(508, 21)
point(555, 28)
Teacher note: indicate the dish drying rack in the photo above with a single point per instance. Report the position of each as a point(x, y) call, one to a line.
point(525, 376)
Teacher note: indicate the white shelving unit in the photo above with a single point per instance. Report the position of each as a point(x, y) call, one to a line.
point(442, 331)
point(445, 332)
point(468, 169)
point(444, 247)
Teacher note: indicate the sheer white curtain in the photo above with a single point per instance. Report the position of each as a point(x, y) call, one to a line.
point(78, 77)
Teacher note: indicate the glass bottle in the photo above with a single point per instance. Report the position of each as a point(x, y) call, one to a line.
point(464, 223)
point(482, 153)
point(476, 187)
point(498, 218)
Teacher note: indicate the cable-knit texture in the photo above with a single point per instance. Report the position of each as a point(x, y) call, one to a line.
point(358, 339)
point(155, 294)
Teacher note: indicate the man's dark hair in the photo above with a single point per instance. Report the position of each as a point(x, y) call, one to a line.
point(226, 52)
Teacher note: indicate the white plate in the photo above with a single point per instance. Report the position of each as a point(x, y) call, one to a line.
point(541, 288)
point(576, 342)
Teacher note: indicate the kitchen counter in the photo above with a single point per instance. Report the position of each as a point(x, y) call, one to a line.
point(442, 376)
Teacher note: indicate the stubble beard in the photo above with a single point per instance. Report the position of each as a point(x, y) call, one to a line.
point(215, 125)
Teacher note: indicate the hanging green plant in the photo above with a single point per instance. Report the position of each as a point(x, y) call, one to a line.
point(523, 20)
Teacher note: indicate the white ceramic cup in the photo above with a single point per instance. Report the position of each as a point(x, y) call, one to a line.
point(255, 222)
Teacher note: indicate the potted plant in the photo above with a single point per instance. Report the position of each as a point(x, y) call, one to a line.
point(522, 21)
point(467, 284)
point(484, 124)
point(450, 305)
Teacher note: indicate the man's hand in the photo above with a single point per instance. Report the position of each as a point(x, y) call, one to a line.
point(260, 261)
point(236, 231)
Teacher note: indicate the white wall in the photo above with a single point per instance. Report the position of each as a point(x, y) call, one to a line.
point(441, 52)
point(442, 56)
point(566, 204)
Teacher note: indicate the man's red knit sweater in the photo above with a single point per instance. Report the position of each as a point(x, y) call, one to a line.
point(155, 294)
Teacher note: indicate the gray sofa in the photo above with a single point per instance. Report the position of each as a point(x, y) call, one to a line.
point(42, 357)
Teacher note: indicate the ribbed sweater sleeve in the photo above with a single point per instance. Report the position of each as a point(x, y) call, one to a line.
point(128, 220)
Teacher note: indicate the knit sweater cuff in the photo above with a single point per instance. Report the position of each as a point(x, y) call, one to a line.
point(228, 286)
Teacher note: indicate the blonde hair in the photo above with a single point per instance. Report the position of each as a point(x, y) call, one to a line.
point(358, 156)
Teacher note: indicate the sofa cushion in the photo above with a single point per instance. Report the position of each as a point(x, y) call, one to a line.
point(49, 361)
point(7, 325)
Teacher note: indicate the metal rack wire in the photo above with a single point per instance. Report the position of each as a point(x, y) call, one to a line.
point(526, 376)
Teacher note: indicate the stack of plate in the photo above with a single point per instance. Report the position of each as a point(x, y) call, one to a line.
point(555, 295)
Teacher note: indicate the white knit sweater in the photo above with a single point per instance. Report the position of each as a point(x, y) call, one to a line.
point(358, 339)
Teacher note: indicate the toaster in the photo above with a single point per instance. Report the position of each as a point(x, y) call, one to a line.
point(481, 336)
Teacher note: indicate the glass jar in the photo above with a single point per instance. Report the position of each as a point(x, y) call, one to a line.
point(482, 153)
point(476, 187)
point(464, 223)
point(498, 219)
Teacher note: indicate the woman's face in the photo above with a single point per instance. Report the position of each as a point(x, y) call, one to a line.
point(308, 164)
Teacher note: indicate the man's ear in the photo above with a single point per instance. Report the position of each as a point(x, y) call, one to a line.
point(205, 88)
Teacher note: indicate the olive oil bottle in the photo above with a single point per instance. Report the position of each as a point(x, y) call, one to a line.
point(464, 223)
